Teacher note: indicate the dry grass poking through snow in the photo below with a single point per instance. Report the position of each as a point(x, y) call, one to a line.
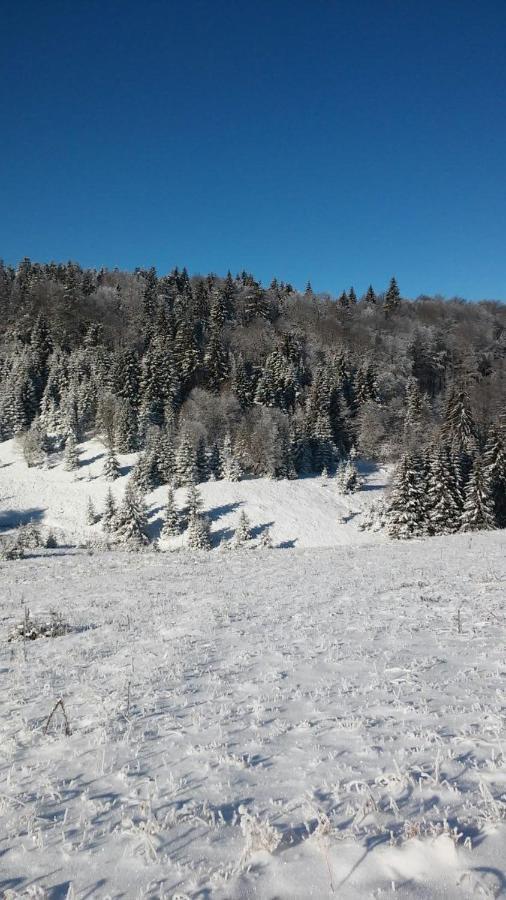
point(283, 724)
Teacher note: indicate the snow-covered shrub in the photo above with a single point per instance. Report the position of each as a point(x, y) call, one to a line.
point(10, 550)
point(375, 518)
point(29, 536)
point(259, 834)
point(30, 629)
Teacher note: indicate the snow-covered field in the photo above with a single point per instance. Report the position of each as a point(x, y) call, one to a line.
point(279, 724)
point(283, 724)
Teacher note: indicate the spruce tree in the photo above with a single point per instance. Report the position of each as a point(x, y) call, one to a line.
point(444, 501)
point(230, 466)
point(109, 513)
point(91, 516)
point(495, 463)
point(392, 297)
point(111, 466)
point(70, 456)
point(185, 467)
point(478, 513)
point(406, 506)
point(243, 531)
point(370, 296)
point(347, 479)
point(132, 521)
point(171, 525)
point(198, 532)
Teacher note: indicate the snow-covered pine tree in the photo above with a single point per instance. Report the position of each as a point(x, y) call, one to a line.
point(91, 516)
point(478, 513)
point(198, 532)
point(347, 478)
point(406, 506)
point(444, 500)
point(193, 500)
point(459, 429)
point(171, 524)
point(495, 463)
point(230, 466)
point(109, 513)
point(243, 530)
point(132, 519)
point(185, 462)
point(111, 465)
point(266, 539)
point(70, 456)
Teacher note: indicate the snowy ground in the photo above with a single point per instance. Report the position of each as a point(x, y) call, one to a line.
point(303, 513)
point(273, 724)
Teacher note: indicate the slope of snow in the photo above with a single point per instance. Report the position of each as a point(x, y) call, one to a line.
point(263, 724)
point(303, 513)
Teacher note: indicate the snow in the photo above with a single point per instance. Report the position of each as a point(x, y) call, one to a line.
point(304, 513)
point(324, 721)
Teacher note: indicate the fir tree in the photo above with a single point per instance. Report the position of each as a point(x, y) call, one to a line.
point(370, 296)
point(266, 539)
point(198, 533)
point(347, 477)
point(132, 520)
point(193, 501)
point(70, 456)
point(171, 525)
point(495, 464)
point(91, 516)
point(478, 513)
point(230, 466)
point(109, 513)
point(185, 462)
point(392, 297)
point(243, 531)
point(111, 466)
point(444, 501)
point(406, 508)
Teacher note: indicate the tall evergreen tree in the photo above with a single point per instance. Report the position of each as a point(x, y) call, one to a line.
point(392, 297)
point(478, 513)
point(131, 522)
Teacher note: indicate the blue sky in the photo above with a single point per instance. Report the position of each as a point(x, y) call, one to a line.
point(340, 142)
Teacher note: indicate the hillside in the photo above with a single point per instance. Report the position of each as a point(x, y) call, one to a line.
point(302, 513)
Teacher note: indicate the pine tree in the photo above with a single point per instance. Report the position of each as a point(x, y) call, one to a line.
point(406, 507)
point(444, 501)
point(243, 531)
point(392, 297)
point(266, 539)
point(193, 501)
point(91, 516)
point(109, 513)
point(70, 456)
point(111, 466)
point(198, 533)
point(370, 296)
point(352, 297)
point(185, 462)
point(495, 464)
point(171, 525)
point(478, 513)
point(214, 463)
point(230, 466)
point(459, 429)
point(132, 520)
point(347, 479)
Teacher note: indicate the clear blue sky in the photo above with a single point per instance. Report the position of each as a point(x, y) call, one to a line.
point(339, 141)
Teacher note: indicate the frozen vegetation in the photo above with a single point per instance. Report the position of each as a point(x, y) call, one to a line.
point(275, 723)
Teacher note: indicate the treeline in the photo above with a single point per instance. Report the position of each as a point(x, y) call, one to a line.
point(215, 377)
